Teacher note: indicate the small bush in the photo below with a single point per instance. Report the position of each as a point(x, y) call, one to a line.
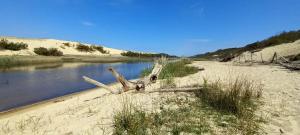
point(100, 49)
point(4, 44)
point(84, 48)
point(48, 52)
point(67, 44)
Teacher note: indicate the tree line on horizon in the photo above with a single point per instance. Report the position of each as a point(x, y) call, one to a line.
point(146, 55)
point(283, 37)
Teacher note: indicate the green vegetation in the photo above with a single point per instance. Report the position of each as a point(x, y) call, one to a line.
point(67, 44)
point(146, 72)
point(238, 99)
point(234, 97)
point(173, 69)
point(217, 108)
point(147, 55)
point(4, 44)
point(47, 52)
point(85, 48)
point(177, 69)
point(100, 49)
point(6, 62)
point(133, 120)
point(284, 37)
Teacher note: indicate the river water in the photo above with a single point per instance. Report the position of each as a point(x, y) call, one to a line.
point(26, 85)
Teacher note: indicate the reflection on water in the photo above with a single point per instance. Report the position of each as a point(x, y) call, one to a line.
point(26, 85)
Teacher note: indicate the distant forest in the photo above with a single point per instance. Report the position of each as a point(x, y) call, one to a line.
point(284, 37)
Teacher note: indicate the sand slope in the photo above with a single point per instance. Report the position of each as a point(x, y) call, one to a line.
point(286, 49)
point(92, 112)
point(52, 43)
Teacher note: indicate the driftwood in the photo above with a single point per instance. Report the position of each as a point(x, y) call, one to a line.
point(284, 62)
point(128, 85)
point(89, 80)
point(192, 89)
point(125, 83)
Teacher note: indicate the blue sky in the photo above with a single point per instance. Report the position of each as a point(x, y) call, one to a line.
point(181, 27)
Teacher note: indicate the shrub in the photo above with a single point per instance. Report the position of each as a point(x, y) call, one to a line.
point(48, 52)
point(4, 44)
point(84, 48)
point(67, 44)
point(99, 48)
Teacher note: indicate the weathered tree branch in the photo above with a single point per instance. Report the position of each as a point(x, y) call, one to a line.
point(192, 89)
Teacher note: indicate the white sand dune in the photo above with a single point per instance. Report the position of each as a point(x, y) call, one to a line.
point(286, 49)
point(53, 43)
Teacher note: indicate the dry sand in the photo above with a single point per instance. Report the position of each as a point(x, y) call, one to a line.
point(91, 112)
point(52, 43)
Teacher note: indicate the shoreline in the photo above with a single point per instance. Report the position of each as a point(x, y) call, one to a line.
point(20, 60)
point(44, 103)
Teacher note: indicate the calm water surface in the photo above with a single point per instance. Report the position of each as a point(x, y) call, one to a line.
point(27, 85)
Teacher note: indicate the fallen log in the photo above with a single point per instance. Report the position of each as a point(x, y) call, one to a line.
point(289, 66)
point(192, 89)
point(89, 80)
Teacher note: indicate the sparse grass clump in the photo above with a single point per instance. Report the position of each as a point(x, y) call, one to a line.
point(177, 69)
point(4, 44)
point(234, 97)
point(133, 120)
point(48, 52)
point(130, 121)
point(238, 98)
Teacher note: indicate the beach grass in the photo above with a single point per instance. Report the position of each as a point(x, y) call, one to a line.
point(177, 69)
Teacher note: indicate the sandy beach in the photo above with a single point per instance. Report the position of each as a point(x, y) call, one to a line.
point(92, 111)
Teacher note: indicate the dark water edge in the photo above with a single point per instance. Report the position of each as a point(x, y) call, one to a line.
point(31, 84)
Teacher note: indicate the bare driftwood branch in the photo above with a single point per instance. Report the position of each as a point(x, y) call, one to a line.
point(289, 65)
point(128, 85)
point(89, 80)
point(192, 89)
point(125, 83)
point(274, 57)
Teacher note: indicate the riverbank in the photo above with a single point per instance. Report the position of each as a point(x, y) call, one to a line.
point(93, 112)
point(13, 61)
